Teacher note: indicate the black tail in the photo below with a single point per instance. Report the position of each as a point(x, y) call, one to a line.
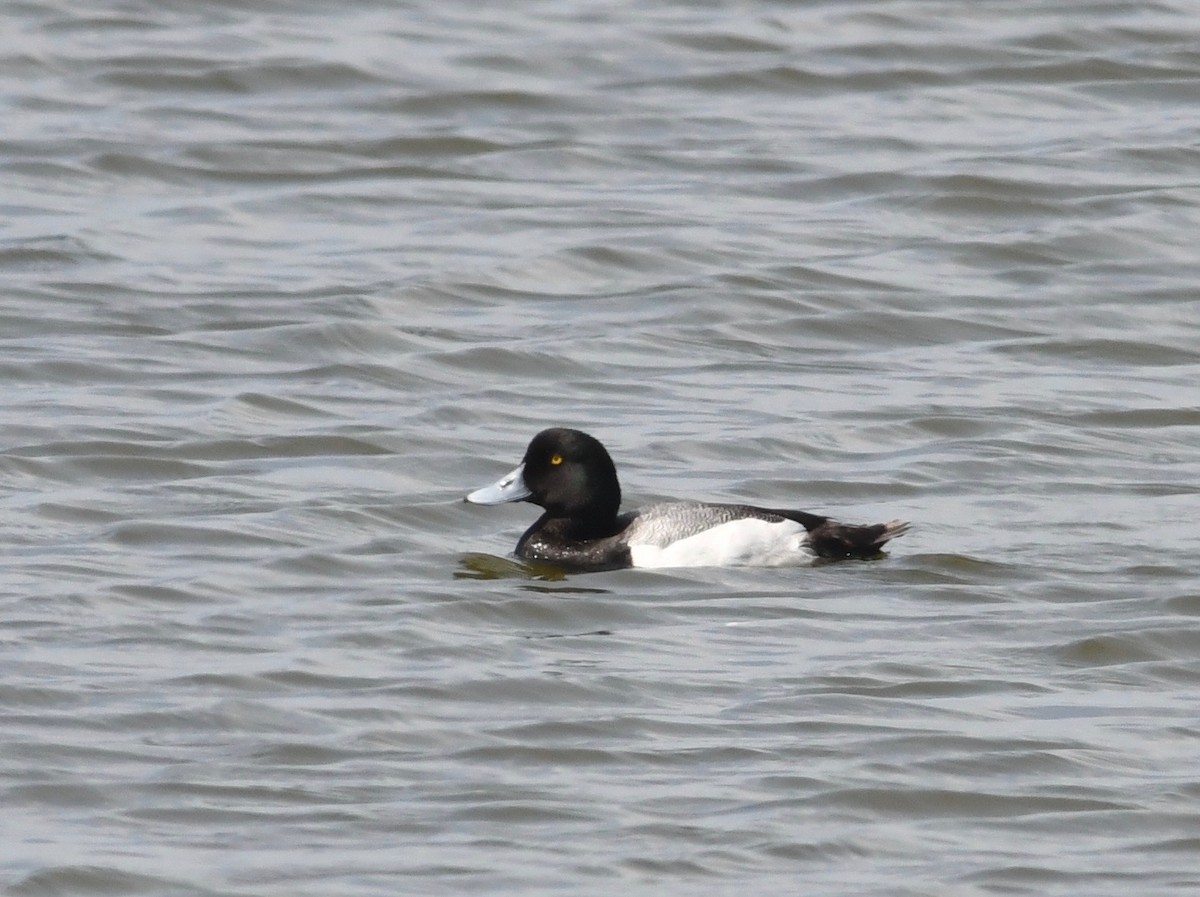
point(831, 539)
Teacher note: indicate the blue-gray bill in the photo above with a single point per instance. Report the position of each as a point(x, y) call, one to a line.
point(510, 487)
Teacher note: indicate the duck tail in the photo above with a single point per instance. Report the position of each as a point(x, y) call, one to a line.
point(841, 540)
point(891, 530)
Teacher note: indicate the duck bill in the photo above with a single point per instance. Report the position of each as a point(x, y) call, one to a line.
point(510, 487)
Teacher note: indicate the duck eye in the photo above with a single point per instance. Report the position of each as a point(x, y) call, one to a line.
point(556, 460)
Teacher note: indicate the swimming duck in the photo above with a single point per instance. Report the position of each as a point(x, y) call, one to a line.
point(570, 475)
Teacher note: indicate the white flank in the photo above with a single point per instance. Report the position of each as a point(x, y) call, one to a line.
point(738, 543)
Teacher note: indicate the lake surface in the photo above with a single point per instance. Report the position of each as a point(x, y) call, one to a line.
point(282, 282)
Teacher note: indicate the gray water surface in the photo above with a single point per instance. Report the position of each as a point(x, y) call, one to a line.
point(282, 282)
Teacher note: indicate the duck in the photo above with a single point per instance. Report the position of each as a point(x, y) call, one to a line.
point(571, 476)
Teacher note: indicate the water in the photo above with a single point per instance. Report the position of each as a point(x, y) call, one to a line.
point(281, 284)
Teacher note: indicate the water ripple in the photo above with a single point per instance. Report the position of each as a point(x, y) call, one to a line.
point(282, 284)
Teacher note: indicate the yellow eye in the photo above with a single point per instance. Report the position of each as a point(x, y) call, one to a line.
point(556, 460)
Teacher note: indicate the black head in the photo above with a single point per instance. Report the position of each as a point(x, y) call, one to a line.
point(570, 474)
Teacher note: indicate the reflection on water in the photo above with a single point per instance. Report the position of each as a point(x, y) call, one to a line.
point(487, 566)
